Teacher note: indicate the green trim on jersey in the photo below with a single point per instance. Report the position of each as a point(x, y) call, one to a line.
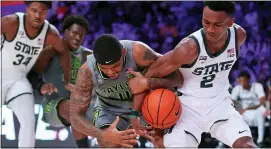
point(221, 51)
point(236, 42)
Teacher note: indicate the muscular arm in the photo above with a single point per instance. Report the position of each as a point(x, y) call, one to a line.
point(8, 22)
point(55, 40)
point(44, 58)
point(80, 101)
point(184, 53)
point(144, 56)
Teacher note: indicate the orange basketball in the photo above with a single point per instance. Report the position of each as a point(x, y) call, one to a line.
point(161, 108)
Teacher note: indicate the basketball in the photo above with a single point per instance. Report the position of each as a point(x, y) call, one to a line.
point(161, 108)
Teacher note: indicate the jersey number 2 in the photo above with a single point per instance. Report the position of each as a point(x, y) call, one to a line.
point(207, 81)
point(21, 59)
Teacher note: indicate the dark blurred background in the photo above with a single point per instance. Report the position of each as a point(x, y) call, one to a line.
point(161, 25)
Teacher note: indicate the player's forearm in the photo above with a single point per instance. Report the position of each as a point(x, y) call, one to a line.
point(65, 61)
point(138, 100)
point(253, 107)
point(84, 126)
point(173, 80)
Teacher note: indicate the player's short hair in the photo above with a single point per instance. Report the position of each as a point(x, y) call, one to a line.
point(75, 19)
point(48, 3)
point(226, 6)
point(107, 49)
point(244, 74)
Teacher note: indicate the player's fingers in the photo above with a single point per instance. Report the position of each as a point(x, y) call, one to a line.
point(137, 74)
point(114, 124)
point(148, 127)
point(145, 135)
point(127, 132)
point(129, 137)
point(151, 133)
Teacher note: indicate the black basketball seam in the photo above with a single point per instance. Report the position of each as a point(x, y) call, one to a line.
point(159, 106)
point(148, 108)
point(169, 112)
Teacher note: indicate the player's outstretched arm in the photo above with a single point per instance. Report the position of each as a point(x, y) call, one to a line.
point(144, 57)
point(54, 39)
point(184, 53)
point(80, 100)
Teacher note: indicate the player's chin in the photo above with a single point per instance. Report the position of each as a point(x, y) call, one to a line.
point(114, 77)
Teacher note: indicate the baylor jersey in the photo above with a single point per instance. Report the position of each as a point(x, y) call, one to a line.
point(113, 95)
point(54, 72)
point(207, 77)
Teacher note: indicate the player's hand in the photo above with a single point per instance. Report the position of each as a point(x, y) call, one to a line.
point(126, 138)
point(139, 83)
point(69, 87)
point(142, 131)
point(48, 88)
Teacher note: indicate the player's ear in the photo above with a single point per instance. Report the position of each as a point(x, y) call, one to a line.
point(66, 32)
point(231, 21)
point(123, 51)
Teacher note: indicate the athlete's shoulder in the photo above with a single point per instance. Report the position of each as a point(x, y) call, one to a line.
point(241, 33)
point(10, 20)
point(257, 85)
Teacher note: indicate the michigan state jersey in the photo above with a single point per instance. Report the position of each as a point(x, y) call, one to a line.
point(207, 77)
point(113, 94)
point(55, 74)
point(20, 54)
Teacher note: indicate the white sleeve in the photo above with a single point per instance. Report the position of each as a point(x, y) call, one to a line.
point(235, 92)
point(259, 90)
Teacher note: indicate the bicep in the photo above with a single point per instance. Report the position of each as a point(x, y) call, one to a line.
point(184, 53)
point(82, 91)
point(55, 40)
point(144, 55)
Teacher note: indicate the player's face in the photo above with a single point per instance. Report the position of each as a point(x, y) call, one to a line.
point(113, 70)
point(36, 14)
point(75, 36)
point(215, 24)
point(243, 81)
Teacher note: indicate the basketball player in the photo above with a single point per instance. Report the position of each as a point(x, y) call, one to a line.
point(251, 96)
point(56, 109)
point(105, 73)
point(205, 59)
point(23, 37)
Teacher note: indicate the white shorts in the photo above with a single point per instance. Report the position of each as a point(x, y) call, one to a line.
point(250, 116)
point(222, 121)
point(13, 89)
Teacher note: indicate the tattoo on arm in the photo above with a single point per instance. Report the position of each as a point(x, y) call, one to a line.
point(150, 55)
point(172, 80)
point(80, 101)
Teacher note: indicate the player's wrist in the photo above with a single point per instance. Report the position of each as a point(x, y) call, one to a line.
point(134, 113)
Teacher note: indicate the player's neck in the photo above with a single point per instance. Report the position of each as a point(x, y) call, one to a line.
point(31, 32)
point(247, 87)
point(217, 46)
point(66, 43)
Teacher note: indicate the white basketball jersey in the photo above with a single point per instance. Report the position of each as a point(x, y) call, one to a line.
point(20, 54)
point(207, 77)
